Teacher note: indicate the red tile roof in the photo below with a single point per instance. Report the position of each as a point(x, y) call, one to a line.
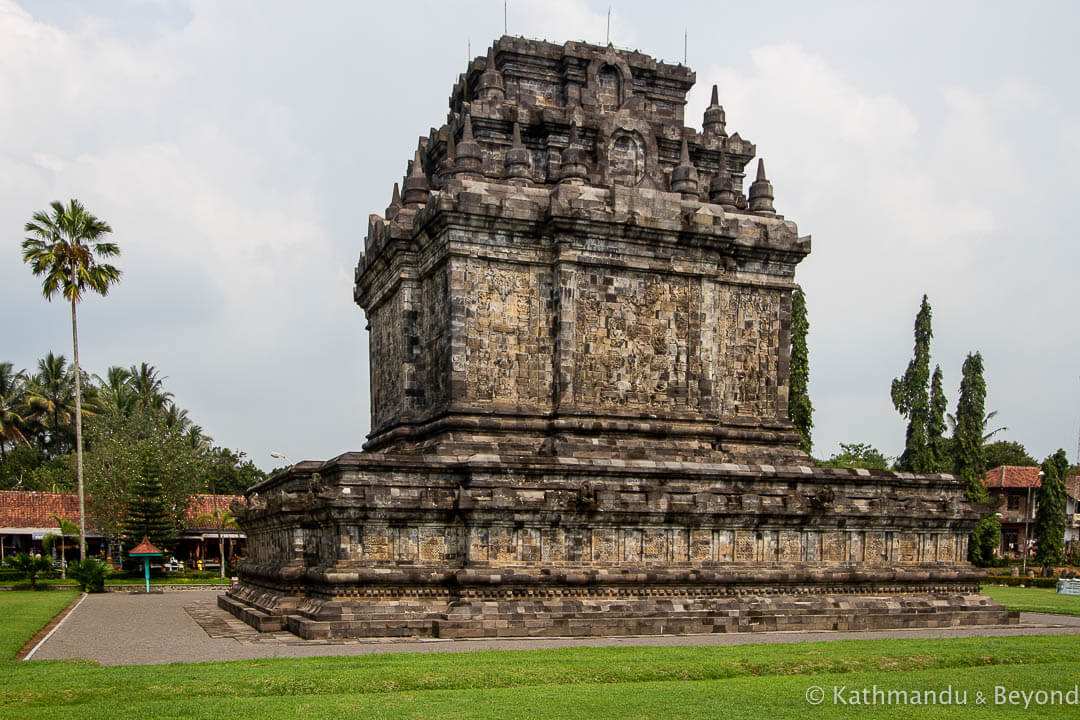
point(1013, 476)
point(145, 548)
point(208, 505)
point(21, 509)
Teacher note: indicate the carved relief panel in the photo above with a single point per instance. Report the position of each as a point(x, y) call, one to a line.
point(386, 362)
point(630, 344)
point(507, 355)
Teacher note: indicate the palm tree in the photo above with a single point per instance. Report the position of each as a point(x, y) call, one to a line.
point(67, 247)
point(986, 421)
point(116, 391)
point(148, 387)
point(176, 418)
point(12, 400)
point(197, 441)
point(221, 518)
point(67, 529)
point(52, 392)
point(29, 564)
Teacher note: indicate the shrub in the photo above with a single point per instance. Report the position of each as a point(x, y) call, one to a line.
point(29, 565)
point(1050, 582)
point(90, 574)
point(984, 541)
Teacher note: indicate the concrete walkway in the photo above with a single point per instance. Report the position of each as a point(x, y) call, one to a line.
point(140, 629)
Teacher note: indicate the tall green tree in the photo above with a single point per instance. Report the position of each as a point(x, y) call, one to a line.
point(799, 406)
point(1050, 516)
point(935, 426)
point(1006, 452)
point(119, 447)
point(970, 427)
point(910, 395)
point(147, 516)
point(67, 248)
point(970, 462)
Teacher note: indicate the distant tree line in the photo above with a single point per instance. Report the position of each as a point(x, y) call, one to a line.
point(968, 451)
point(142, 450)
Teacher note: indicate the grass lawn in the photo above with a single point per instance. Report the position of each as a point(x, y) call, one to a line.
point(750, 681)
point(24, 613)
point(1044, 600)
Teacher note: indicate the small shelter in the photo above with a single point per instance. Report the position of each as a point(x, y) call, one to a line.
point(145, 550)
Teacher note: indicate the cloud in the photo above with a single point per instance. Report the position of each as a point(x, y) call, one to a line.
point(900, 202)
point(237, 149)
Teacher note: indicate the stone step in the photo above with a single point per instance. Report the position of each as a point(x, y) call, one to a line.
point(261, 621)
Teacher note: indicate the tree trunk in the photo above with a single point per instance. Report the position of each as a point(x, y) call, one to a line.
point(221, 549)
point(63, 558)
point(78, 434)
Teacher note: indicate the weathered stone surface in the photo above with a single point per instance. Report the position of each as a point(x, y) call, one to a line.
point(580, 347)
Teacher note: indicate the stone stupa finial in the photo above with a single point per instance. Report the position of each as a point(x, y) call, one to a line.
point(416, 184)
point(467, 155)
point(395, 204)
point(517, 157)
point(715, 122)
point(684, 178)
point(490, 87)
point(573, 169)
point(761, 192)
point(721, 190)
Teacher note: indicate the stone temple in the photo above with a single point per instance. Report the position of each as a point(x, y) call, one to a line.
point(579, 322)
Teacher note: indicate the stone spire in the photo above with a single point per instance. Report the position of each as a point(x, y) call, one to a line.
point(416, 184)
point(490, 87)
point(715, 123)
point(761, 192)
point(684, 178)
point(395, 204)
point(721, 190)
point(573, 169)
point(517, 158)
point(467, 156)
point(451, 155)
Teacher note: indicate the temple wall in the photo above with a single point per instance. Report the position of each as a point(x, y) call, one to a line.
point(508, 544)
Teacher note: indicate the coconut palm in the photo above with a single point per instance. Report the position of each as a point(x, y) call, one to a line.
point(115, 390)
point(51, 393)
point(67, 248)
point(149, 389)
point(197, 441)
point(176, 419)
point(12, 402)
point(986, 421)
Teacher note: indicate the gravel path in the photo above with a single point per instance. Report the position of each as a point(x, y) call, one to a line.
point(140, 629)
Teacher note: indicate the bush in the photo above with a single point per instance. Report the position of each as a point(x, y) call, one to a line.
point(1050, 582)
point(29, 565)
point(90, 574)
point(984, 541)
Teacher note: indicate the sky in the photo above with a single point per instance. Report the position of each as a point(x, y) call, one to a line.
point(237, 148)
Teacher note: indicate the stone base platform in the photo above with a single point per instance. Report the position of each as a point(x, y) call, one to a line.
point(620, 614)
